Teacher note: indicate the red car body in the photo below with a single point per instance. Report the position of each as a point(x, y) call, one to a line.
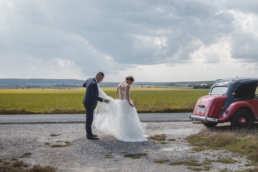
point(232, 100)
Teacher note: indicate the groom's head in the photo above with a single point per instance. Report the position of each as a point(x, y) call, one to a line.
point(99, 77)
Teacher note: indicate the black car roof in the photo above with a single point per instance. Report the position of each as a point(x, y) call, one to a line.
point(225, 82)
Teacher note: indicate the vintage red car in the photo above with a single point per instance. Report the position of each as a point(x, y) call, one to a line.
point(233, 100)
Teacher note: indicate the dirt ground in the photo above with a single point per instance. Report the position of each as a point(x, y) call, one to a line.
point(65, 147)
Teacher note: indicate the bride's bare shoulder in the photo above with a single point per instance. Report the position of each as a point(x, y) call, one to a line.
point(121, 83)
point(127, 86)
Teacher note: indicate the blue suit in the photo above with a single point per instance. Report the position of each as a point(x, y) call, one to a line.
point(90, 101)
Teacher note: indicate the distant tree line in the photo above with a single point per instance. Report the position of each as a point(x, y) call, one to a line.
point(39, 86)
point(201, 86)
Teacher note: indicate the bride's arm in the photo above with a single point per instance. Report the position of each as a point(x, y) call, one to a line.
point(117, 92)
point(118, 89)
point(128, 95)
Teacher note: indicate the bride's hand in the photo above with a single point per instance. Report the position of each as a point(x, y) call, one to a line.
point(131, 104)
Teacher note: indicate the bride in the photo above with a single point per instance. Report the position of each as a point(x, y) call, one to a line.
point(120, 117)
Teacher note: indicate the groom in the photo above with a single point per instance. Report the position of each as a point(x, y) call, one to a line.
point(90, 100)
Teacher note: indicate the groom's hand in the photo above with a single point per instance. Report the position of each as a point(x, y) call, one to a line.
point(106, 101)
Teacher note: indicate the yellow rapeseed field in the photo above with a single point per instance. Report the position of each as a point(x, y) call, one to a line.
point(22, 101)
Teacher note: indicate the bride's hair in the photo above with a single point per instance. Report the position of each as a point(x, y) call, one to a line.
point(130, 78)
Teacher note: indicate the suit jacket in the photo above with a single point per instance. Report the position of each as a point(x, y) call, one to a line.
point(91, 96)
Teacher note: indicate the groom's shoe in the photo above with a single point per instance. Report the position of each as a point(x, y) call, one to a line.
point(92, 135)
point(92, 138)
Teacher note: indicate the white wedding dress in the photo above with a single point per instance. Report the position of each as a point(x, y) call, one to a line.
point(119, 119)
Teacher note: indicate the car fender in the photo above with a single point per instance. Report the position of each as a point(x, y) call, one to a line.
point(229, 112)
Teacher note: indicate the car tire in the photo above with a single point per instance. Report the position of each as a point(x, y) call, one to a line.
point(210, 125)
point(242, 119)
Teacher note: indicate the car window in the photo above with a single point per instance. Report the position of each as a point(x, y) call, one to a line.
point(245, 91)
point(219, 90)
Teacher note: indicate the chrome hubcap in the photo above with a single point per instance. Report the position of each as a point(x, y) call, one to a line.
point(242, 121)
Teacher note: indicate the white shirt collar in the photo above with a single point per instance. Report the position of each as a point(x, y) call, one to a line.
point(96, 80)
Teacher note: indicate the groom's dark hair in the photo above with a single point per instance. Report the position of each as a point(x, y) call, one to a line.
point(101, 73)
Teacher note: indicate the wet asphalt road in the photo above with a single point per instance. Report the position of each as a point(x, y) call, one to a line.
point(80, 118)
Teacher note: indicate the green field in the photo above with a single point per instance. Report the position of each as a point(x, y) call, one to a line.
point(53, 101)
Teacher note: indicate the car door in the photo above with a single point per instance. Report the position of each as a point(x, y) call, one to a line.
point(255, 101)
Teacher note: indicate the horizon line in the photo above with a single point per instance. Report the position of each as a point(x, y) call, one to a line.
point(109, 81)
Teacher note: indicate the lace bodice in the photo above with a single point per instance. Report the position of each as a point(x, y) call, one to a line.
point(122, 91)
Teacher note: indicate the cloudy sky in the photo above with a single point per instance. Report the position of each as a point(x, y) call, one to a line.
point(159, 41)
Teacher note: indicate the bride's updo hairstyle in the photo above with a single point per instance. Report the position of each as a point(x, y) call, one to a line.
point(129, 78)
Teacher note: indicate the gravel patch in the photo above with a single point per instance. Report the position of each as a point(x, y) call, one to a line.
point(75, 153)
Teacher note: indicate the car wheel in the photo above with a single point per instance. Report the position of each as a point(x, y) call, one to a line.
point(242, 119)
point(210, 125)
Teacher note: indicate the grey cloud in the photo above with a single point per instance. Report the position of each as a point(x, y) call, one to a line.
point(246, 6)
point(131, 32)
point(244, 43)
point(46, 42)
point(112, 26)
point(244, 47)
point(188, 22)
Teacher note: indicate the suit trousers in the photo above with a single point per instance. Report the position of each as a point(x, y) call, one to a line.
point(89, 120)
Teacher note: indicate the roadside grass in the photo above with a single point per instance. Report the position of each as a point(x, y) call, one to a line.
point(47, 144)
point(19, 164)
point(187, 162)
point(195, 168)
point(161, 139)
point(163, 143)
point(69, 101)
point(171, 139)
point(246, 170)
point(207, 168)
point(243, 142)
point(249, 170)
point(108, 155)
point(158, 137)
point(25, 155)
point(161, 161)
point(135, 155)
point(14, 165)
point(66, 143)
point(14, 159)
point(226, 160)
point(191, 164)
point(61, 145)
